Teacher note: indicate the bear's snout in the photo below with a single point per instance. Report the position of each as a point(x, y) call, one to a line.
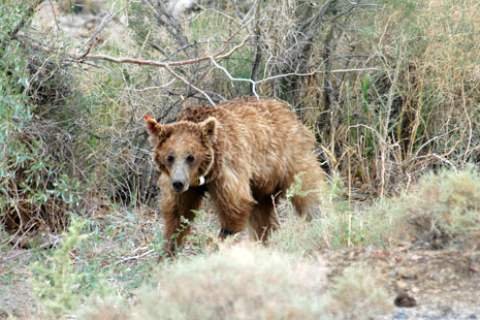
point(178, 186)
point(180, 181)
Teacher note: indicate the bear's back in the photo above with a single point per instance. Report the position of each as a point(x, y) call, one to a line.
point(247, 110)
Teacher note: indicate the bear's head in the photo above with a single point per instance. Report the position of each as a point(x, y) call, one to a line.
point(183, 151)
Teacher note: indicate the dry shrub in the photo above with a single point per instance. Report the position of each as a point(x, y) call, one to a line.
point(250, 282)
point(301, 237)
point(444, 209)
point(50, 82)
point(420, 109)
point(238, 283)
point(41, 195)
point(378, 225)
point(358, 294)
point(108, 309)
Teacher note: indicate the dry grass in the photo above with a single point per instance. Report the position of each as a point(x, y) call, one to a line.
point(419, 110)
point(441, 210)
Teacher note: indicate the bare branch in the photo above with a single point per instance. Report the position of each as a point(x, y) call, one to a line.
point(217, 56)
point(254, 91)
point(285, 75)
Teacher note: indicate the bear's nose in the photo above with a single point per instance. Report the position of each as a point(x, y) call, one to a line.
point(177, 186)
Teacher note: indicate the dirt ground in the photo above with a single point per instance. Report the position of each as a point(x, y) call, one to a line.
point(440, 284)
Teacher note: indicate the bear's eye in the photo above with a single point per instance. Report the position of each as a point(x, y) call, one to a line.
point(190, 158)
point(170, 159)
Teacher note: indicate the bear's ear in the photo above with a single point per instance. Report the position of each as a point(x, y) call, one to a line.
point(209, 129)
point(154, 129)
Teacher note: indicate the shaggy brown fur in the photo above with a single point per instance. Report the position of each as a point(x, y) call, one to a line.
point(248, 151)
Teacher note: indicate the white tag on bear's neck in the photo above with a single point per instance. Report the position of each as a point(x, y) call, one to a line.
point(199, 182)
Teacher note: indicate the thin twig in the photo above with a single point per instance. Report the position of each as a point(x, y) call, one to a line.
point(137, 257)
point(179, 77)
point(93, 39)
point(285, 75)
point(254, 91)
point(55, 15)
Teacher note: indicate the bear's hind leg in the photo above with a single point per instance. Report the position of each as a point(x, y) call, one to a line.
point(311, 177)
point(263, 219)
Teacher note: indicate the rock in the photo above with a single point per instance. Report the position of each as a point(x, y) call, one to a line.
point(401, 286)
point(403, 300)
point(400, 315)
point(408, 273)
point(446, 310)
point(4, 314)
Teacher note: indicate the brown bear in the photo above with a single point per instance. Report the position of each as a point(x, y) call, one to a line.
point(245, 153)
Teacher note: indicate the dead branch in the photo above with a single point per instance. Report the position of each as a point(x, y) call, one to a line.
point(217, 56)
point(166, 19)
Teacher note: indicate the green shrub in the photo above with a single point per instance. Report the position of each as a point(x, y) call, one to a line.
point(59, 284)
point(56, 284)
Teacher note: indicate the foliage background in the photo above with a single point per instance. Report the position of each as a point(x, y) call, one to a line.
point(388, 87)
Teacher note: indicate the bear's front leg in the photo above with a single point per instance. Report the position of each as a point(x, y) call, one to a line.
point(234, 217)
point(234, 204)
point(178, 216)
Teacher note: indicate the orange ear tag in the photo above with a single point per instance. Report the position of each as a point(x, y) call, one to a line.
point(150, 118)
